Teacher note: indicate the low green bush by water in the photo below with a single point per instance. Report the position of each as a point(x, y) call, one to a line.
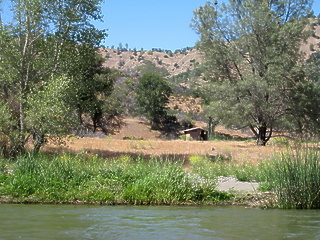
point(75, 178)
point(295, 178)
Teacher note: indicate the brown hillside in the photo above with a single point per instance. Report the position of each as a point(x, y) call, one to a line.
point(176, 63)
point(313, 43)
point(127, 61)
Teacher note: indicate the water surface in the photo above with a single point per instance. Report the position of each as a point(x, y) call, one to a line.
point(155, 222)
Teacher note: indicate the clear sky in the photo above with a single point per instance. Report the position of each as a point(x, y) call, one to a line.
point(150, 24)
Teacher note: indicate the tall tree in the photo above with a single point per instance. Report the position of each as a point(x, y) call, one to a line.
point(253, 60)
point(153, 94)
point(43, 54)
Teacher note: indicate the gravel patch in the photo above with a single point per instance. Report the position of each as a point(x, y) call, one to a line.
point(231, 183)
point(226, 183)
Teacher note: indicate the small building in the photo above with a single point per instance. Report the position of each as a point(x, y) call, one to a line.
point(196, 134)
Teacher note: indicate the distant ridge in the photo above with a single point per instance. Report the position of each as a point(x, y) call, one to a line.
point(180, 61)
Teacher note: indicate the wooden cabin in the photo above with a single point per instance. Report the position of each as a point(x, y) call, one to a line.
point(198, 134)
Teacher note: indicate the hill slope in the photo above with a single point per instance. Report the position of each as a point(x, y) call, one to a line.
point(174, 63)
point(180, 61)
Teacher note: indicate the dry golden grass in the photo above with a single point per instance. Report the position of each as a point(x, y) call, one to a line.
point(238, 151)
point(114, 146)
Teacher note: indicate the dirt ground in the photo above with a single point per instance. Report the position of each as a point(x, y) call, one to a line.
point(239, 152)
point(143, 141)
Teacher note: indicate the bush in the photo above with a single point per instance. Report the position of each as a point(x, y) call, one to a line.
point(295, 178)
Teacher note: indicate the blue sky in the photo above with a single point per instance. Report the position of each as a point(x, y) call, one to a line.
point(150, 24)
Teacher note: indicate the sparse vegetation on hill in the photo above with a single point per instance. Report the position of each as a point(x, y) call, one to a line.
point(174, 63)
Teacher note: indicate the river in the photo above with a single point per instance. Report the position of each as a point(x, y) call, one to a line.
point(155, 222)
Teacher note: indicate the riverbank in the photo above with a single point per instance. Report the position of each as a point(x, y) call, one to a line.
point(88, 179)
point(241, 198)
point(289, 180)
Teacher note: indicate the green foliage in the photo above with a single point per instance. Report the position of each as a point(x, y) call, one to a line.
point(252, 53)
point(153, 94)
point(93, 90)
point(209, 168)
point(280, 141)
point(48, 111)
point(305, 99)
point(149, 67)
point(47, 69)
point(74, 178)
point(295, 178)
point(190, 77)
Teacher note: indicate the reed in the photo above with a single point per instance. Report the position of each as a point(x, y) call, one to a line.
point(70, 178)
point(295, 178)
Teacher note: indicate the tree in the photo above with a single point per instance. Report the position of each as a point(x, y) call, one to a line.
point(253, 60)
point(306, 98)
point(152, 96)
point(149, 67)
point(43, 54)
point(92, 85)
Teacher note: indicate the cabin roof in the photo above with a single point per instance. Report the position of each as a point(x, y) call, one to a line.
point(194, 129)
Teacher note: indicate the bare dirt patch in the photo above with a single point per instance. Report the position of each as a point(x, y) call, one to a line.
point(136, 129)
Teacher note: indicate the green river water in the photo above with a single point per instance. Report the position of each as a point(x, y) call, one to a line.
point(155, 222)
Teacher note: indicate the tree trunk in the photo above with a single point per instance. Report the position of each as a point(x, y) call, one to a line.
point(210, 127)
point(39, 141)
point(262, 135)
point(212, 123)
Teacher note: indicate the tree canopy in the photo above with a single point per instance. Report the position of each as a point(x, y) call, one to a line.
point(48, 63)
point(152, 96)
point(253, 61)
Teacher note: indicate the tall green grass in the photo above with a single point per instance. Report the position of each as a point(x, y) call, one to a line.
point(212, 168)
point(295, 178)
point(75, 178)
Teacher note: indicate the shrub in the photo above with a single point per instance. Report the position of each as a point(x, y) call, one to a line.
point(295, 178)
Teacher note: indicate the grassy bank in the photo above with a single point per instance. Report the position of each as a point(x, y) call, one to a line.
point(295, 178)
point(292, 177)
point(80, 179)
